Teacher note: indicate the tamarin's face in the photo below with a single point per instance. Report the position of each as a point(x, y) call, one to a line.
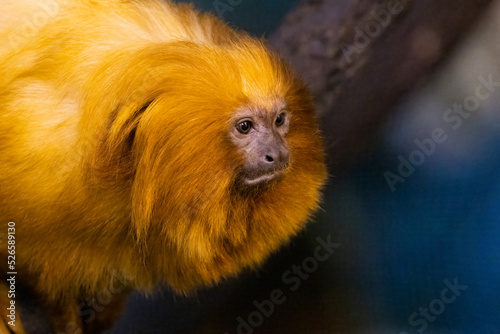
point(259, 134)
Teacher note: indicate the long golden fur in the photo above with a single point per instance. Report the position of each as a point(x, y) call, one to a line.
point(114, 158)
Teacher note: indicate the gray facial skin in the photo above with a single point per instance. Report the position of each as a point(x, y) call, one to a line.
point(260, 137)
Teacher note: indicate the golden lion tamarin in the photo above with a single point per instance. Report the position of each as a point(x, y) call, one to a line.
point(142, 141)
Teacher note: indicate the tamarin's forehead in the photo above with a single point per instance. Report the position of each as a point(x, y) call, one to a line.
point(262, 106)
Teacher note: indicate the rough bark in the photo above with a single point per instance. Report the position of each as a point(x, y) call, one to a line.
point(357, 80)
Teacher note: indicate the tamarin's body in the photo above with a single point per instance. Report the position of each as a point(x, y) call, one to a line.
point(141, 141)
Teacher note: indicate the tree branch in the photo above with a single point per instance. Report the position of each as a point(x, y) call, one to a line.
point(360, 57)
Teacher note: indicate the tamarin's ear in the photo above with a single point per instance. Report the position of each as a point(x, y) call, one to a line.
point(112, 160)
point(123, 125)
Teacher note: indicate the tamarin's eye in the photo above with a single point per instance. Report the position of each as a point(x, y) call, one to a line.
point(280, 119)
point(244, 127)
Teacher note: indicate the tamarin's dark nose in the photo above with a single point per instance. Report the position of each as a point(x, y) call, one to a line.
point(276, 158)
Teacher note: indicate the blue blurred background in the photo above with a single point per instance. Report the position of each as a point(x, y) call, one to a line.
point(258, 17)
point(400, 246)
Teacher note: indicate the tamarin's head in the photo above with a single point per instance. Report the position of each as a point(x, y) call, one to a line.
point(222, 151)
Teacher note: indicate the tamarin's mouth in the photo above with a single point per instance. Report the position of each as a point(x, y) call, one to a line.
point(264, 178)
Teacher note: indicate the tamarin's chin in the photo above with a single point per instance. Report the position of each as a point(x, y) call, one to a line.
point(142, 141)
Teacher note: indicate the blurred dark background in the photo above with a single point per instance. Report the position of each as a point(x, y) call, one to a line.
point(400, 246)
